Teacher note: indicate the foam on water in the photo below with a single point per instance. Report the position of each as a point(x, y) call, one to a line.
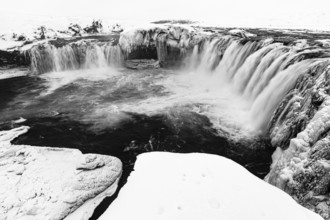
point(245, 83)
point(56, 80)
point(237, 84)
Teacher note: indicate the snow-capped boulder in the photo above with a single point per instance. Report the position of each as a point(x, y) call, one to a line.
point(199, 186)
point(75, 29)
point(117, 28)
point(95, 27)
point(52, 183)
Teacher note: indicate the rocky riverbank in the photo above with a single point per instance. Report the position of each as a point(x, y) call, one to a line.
point(52, 183)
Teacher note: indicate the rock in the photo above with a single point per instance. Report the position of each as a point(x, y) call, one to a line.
point(95, 27)
point(13, 58)
point(300, 131)
point(117, 28)
point(167, 44)
point(241, 33)
point(75, 29)
point(142, 64)
point(41, 32)
point(199, 186)
point(52, 183)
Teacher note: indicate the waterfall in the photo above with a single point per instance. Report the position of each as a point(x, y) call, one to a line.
point(260, 73)
point(80, 55)
point(267, 100)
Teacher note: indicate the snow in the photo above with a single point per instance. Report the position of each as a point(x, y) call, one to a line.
point(52, 183)
point(11, 73)
point(199, 186)
point(133, 36)
point(240, 32)
point(8, 44)
point(20, 120)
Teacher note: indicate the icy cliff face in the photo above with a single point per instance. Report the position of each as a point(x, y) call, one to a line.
point(168, 44)
point(300, 131)
point(52, 183)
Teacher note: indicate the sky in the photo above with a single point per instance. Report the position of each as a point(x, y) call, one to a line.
point(298, 14)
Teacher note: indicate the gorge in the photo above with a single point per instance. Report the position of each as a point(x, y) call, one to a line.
point(257, 96)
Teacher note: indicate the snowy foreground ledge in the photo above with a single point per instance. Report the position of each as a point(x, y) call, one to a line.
point(52, 183)
point(199, 186)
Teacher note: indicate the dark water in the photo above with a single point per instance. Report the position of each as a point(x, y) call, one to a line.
point(177, 130)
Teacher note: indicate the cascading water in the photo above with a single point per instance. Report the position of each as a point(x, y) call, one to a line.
point(232, 85)
point(79, 55)
point(260, 74)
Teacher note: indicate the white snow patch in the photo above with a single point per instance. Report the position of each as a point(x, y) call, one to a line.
point(20, 120)
point(51, 183)
point(8, 44)
point(241, 32)
point(199, 186)
point(133, 36)
point(11, 73)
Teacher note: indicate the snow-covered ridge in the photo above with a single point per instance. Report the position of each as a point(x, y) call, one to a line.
point(52, 183)
point(199, 186)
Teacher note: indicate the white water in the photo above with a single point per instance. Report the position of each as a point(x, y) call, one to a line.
point(237, 86)
point(255, 78)
point(79, 55)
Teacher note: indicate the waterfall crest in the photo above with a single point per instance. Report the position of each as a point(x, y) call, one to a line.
point(79, 55)
point(259, 73)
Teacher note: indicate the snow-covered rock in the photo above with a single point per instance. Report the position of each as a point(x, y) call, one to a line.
point(168, 44)
point(300, 132)
point(241, 33)
point(199, 186)
point(52, 183)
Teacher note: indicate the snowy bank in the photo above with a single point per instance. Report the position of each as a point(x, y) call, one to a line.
point(199, 186)
point(52, 183)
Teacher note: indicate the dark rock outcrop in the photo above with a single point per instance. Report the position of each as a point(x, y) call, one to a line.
point(13, 58)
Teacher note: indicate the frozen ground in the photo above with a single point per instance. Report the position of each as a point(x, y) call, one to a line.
point(199, 186)
point(52, 183)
